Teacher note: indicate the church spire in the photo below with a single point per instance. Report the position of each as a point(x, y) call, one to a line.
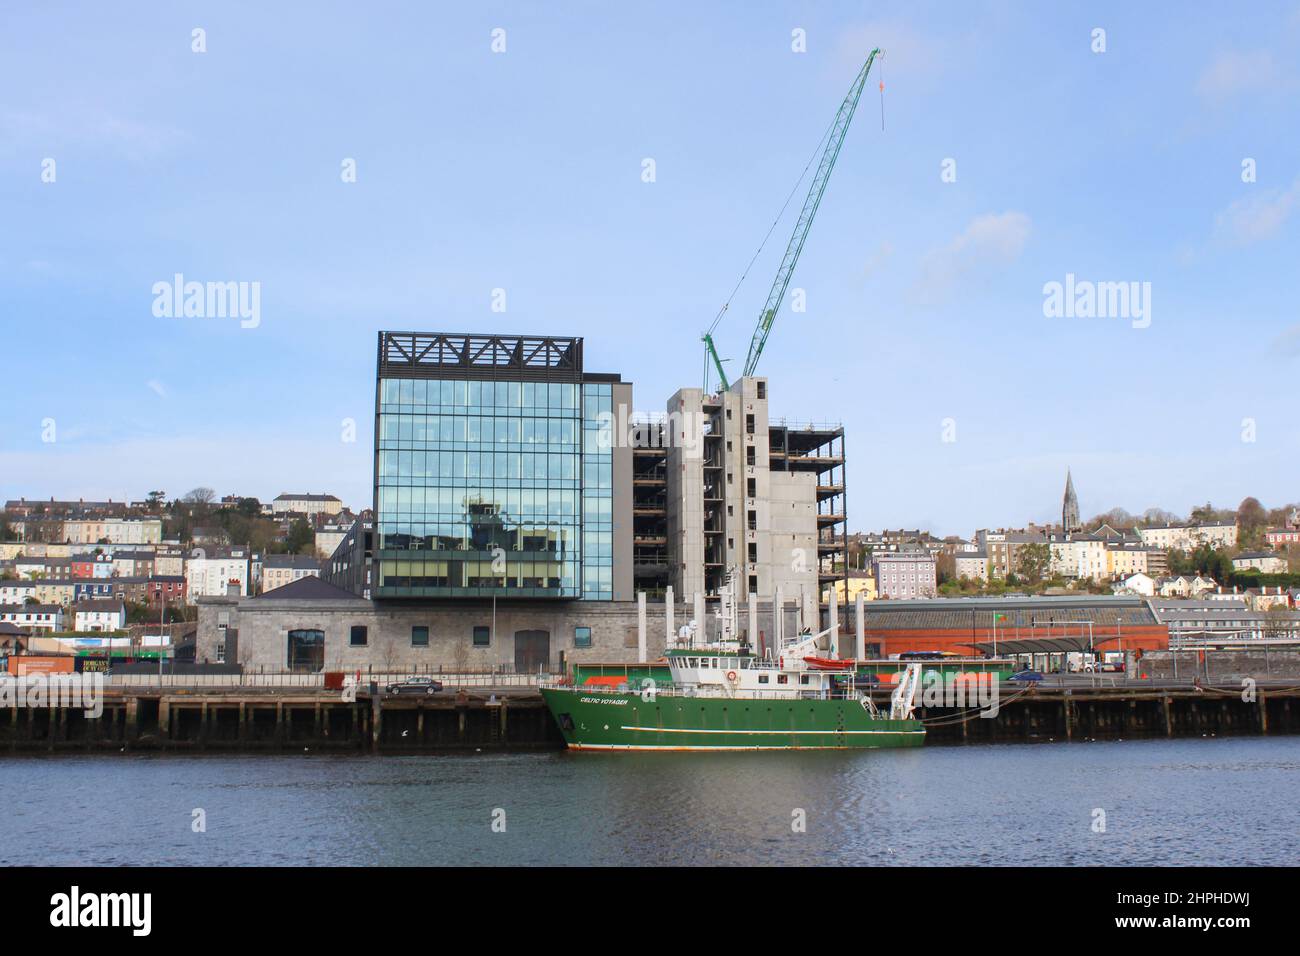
point(1069, 507)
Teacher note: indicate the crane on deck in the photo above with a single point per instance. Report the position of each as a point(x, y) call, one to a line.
point(834, 140)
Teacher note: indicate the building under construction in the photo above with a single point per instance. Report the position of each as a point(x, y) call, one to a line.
point(722, 493)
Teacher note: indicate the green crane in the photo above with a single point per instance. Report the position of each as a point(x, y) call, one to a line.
point(834, 140)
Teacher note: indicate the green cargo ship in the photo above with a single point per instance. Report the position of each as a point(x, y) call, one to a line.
point(724, 697)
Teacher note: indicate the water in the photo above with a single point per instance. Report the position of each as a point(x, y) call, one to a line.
point(1200, 801)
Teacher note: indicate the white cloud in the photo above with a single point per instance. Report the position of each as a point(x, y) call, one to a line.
point(133, 140)
point(878, 258)
point(1233, 73)
point(990, 240)
point(1289, 341)
point(1257, 217)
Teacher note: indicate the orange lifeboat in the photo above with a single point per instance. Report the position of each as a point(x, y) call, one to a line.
point(826, 664)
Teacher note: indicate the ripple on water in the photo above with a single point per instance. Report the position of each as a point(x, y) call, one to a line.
point(1219, 801)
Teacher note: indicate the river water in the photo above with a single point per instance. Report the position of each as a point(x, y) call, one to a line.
point(1166, 802)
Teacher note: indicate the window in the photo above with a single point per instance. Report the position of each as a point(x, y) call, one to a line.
point(359, 637)
point(482, 635)
point(762, 389)
point(306, 650)
point(582, 637)
point(419, 637)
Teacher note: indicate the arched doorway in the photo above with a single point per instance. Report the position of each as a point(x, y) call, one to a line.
point(532, 651)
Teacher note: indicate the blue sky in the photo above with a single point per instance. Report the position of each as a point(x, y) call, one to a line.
point(522, 171)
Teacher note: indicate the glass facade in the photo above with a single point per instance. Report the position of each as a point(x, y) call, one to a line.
point(597, 493)
point(492, 488)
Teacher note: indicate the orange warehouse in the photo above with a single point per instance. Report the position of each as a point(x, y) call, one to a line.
point(971, 626)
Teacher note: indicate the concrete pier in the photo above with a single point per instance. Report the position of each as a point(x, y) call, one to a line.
point(252, 720)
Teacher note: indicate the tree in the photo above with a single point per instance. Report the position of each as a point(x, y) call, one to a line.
point(1032, 562)
point(199, 496)
point(1278, 622)
point(1251, 521)
point(249, 507)
point(1117, 518)
point(300, 537)
point(155, 499)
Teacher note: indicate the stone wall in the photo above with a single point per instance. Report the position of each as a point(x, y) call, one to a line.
point(263, 624)
point(1221, 666)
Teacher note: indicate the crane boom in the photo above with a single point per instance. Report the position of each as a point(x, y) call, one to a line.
point(795, 247)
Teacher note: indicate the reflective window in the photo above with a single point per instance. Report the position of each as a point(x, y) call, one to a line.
point(480, 490)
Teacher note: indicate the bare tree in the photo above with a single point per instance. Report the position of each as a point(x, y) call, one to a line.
point(199, 496)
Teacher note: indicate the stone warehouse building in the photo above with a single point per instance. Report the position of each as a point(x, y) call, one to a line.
point(518, 516)
point(312, 625)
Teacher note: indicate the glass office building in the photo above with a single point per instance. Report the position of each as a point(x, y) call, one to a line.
point(493, 477)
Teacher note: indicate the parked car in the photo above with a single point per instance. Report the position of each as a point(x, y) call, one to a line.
point(414, 685)
point(1031, 677)
point(1104, 667)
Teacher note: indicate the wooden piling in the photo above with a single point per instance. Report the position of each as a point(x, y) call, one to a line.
point(132, 731)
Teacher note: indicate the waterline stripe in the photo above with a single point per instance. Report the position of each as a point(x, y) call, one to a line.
point(777, 733)
point(687, 747)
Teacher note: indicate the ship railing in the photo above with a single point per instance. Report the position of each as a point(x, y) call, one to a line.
point(721, 692)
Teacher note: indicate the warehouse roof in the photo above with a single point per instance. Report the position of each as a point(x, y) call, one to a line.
point(1016, 612)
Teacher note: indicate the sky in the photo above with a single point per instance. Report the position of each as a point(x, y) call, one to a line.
point(1019, 146)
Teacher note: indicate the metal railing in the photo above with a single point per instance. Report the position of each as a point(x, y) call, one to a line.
point(306, 681)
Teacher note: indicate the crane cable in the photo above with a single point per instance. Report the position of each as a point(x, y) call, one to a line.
point(882, 94)
point(816, 153)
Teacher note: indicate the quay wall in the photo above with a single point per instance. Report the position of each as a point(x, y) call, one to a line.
point(266, 719)
point(1219, 666)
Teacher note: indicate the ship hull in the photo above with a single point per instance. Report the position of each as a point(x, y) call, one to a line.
point(597, 720)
